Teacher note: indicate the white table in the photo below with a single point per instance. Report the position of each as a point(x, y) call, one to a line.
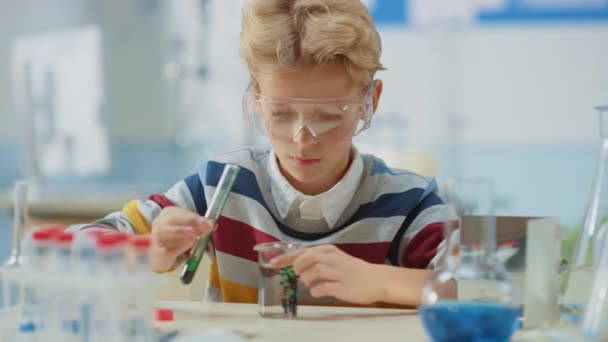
point(313, 323)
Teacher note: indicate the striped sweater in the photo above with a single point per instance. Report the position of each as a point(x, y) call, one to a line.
point(394, 217)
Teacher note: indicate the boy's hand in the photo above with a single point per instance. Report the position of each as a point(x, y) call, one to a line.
point(174, 231)
point(328, 271)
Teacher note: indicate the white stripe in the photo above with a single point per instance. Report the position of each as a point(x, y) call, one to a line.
point(237, 270)
point(180, 195)
point(124, 224)
point(380, 184)
point(212, 294)
point(377, 229)
point(119, 217)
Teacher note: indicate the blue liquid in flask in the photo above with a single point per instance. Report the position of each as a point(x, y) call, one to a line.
point(456, 321)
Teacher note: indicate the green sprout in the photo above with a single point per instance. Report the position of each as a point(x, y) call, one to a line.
point(290, 290)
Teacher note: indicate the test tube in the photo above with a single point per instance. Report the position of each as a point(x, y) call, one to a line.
point(213, 213)
point(19, 221)
point(11, 289)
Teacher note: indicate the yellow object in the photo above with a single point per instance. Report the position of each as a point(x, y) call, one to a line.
point(140, 224)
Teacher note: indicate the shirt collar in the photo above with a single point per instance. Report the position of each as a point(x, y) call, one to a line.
point(328, 205)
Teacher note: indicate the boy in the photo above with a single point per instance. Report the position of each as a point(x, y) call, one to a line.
point(312, 65)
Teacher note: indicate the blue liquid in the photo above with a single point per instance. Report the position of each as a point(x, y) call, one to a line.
point(456, 321)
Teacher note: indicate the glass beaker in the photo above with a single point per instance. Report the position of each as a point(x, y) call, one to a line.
point(471, 297)
point(592, 235)
point(277, 289)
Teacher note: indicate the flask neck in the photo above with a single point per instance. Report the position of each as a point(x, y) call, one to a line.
point(478, 244)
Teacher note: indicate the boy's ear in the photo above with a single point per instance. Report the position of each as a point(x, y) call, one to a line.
point(377, 93)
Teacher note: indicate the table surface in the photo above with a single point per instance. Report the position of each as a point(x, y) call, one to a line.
point(312, 322)
point(224, 322)
point(317, 323)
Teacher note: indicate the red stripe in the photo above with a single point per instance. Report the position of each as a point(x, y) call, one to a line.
point(421, 249)
point(371, 252)
point(161, 200)
point(237, 238)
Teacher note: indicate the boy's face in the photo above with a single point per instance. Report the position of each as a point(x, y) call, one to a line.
point(312, 165)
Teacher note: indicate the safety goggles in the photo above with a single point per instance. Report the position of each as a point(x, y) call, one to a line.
point(326, 119)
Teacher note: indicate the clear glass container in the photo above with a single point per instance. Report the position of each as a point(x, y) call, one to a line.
point(471, 297)
point(592, 235)
point(10, 295)
point(594, 323)
point(277, 289)
point(11, 291)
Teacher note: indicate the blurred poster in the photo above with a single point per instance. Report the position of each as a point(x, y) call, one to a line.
point(58, 96)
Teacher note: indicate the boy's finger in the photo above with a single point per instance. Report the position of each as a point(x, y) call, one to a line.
point(318, 273)
point(301, 259)
point(182, 217)
point(175, 232)
point(327, 289)
point(167, 251)
point(286, 259)
point(309, 259)
point(202, 226)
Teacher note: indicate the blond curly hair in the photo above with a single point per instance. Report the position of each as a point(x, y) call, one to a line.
point(286, 34)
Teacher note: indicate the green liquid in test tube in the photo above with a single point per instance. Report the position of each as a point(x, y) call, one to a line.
point(213, 214)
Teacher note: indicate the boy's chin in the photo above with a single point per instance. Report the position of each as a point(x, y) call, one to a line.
point(309, 177)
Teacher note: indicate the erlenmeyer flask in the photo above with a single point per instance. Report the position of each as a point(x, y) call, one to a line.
point(472, 297)
point(594, 323)
point(591, 238)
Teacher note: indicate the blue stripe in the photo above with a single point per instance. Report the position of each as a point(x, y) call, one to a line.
point(387, 205)
point(246, 183)
point(197, 192)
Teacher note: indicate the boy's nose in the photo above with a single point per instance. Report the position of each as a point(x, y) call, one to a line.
point(304, 135)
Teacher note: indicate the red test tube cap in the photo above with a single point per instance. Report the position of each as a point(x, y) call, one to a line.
point(164, 315)
point(64, 237)
point(140, 241)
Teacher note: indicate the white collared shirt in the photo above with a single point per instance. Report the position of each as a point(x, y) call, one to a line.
point(294, 206)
